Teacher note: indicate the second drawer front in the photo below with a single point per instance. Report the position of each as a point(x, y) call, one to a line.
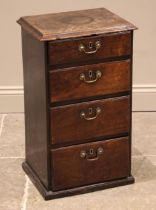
point(90, 163)
point(73, 123)
point(89, 80)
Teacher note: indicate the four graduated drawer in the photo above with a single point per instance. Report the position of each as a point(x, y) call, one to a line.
point(83, 122)
point(90, 163)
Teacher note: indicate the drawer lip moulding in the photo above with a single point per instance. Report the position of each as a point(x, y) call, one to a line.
point(113, 119)
point(111, 45)
point(93, 80)
point(108, 160)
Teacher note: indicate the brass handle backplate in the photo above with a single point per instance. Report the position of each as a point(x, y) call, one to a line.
point(91, 154)
point(83, 49)
point(98, 75)
point(90, 116)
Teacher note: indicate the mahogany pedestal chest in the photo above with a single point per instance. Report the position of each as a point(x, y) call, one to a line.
point(78, 99)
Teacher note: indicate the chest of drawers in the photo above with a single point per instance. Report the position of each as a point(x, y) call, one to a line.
point(78, 96)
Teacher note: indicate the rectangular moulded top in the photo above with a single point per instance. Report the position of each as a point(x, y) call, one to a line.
point(64, 25)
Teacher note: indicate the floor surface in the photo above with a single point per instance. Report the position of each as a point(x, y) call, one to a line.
point(18, 193)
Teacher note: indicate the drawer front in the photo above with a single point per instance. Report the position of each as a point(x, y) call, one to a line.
point(90, 48)
point(73, 123)
point(90, 80)
point(90, 163)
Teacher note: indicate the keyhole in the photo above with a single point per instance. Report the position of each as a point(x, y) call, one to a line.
point(90, 45)
point(90, 110)
point(91, 151)
point(90, 74)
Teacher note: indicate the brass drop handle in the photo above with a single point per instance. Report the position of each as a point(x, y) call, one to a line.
point(98, 75)
point(91, 155)
point(97, 112)
point(97, 46)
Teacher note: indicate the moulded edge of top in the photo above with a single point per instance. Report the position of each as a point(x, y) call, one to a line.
point(41, 36)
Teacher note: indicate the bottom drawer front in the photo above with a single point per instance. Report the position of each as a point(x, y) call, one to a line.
point(90, 163)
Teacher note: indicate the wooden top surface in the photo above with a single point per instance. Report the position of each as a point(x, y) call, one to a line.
point(74, 24)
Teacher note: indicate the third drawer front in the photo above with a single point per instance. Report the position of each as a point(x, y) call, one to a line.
point(90, 163)
point(90, 80)
point(88, 120)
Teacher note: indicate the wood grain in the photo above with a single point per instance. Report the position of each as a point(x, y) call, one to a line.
point(70, 170)
point(56, 132)
point(67, 51)
point(49, 194)
point(35, 95)
point(74, 24)
point(68, 126)
point(65, 84)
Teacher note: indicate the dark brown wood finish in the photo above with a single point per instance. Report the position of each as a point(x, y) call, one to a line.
point(67, 51)
point(49, 194)
point(35, 97)
point(71, 170)
point(65, 84)
point(68, 121)
point(69, 126)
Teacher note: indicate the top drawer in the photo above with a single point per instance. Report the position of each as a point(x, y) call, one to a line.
point(89, 48)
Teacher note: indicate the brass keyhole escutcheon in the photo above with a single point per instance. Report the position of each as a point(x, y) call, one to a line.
point(90, 74)
point(91, 151)
point(90, 110)
point(90, 45)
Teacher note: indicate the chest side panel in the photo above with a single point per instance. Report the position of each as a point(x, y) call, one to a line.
point(35, 106)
